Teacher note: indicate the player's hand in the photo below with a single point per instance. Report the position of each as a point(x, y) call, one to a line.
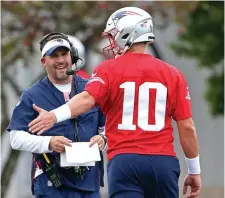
point(43, 122)
point(97, 139)
point(58, 143)
point(194, 182)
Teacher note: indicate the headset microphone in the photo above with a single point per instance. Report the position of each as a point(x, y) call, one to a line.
point(70, 72)
point(75, 67)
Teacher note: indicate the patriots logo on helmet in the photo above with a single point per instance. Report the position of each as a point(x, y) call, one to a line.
point(122, 14)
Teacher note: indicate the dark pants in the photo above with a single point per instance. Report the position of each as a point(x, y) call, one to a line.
point(44, 189)
point(143, 176)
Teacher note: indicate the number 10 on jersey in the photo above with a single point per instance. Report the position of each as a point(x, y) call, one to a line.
point(143, 106)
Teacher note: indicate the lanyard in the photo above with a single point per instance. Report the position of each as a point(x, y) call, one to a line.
point(74, 91)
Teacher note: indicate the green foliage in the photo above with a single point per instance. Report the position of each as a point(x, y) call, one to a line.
point(215, 93)
point(203, 39)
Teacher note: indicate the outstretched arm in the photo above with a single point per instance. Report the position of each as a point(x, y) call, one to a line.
point(79, 104)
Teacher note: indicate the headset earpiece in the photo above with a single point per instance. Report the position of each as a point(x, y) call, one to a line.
point(74, 53)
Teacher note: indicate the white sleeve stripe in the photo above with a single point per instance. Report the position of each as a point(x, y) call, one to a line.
point(22, 140)
point(94, 79)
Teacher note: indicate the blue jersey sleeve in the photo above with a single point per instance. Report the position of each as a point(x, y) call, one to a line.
point(23, 113)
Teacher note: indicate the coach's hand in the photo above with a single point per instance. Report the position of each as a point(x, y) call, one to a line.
point(43, 122)
point(58, 143)
point(194, 181)
point(97, 139)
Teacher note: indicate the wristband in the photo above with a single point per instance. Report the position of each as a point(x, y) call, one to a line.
point(104, 138)
point(62, 113)
point(193, 165)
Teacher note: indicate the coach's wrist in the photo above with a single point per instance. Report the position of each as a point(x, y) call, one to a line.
point(104, 138)
point(193, 165)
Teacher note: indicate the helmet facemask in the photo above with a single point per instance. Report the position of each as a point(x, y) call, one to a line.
point(111, 50)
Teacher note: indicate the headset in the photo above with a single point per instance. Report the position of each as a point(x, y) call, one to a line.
point(73, 50)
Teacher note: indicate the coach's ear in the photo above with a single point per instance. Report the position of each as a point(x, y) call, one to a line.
point(43, 61)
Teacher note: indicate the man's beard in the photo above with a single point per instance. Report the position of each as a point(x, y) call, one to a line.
point(61, 75)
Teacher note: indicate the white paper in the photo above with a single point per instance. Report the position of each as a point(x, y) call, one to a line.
point(80, 152)
point(65, 163)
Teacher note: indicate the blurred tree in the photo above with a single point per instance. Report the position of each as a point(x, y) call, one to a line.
point(202, 37)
